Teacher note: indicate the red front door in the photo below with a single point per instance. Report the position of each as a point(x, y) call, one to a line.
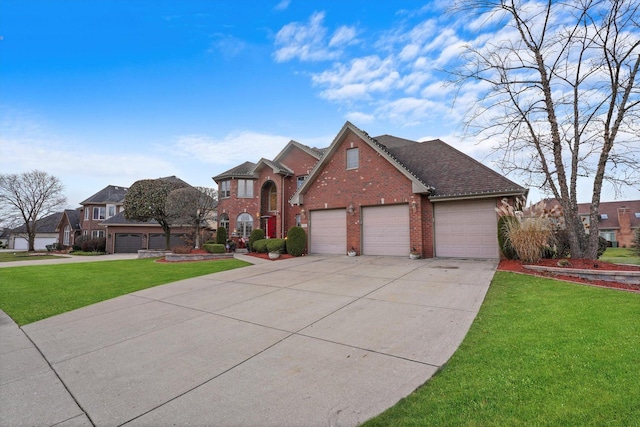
point(271, 227)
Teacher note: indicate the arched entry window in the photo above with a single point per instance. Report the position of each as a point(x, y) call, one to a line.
point(67, 235)
point(244, 225)
point(224, 222)
point(273, 198)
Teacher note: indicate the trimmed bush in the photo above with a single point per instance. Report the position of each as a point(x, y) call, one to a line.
point(260, 246)
point(503, 239)
point(221, 236)
point(257, 234)
point(296, 241)
point(602, 245)
point(214, 248)
point(276, 245)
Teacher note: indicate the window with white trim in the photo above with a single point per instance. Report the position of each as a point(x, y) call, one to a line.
point(300, 181)
point(86, 213)
point(99, 212)
point(111, 210)
point(352, 158)
point(245, 188)
point(67, 235)
point(224, 222)
point(225, 189)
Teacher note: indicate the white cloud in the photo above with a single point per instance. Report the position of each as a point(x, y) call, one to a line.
point(343, 36)
point(282, 5)
point(309, 42)
point(231, 150)
point(360, 118)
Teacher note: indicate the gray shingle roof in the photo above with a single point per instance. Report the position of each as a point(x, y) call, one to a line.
point(245, 170)
point(48, 224)
point(109, 194)
point(74, 218)
point(451, 172)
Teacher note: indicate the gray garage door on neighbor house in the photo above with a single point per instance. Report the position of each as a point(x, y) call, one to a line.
point(132, 242)
point(385, 230)
point(328, 232)
point(466, 229)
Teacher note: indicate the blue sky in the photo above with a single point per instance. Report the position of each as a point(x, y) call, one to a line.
point(109, 92)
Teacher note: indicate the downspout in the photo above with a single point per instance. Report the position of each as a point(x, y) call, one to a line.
point(282, 210)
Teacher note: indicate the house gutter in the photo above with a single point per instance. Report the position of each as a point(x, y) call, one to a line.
point(453, 197)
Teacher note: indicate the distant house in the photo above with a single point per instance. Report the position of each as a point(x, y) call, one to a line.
point(70, 227)
point(46, 234)
point(617, 223)
point(100, 216)
point(378, 196)
point(103, 205)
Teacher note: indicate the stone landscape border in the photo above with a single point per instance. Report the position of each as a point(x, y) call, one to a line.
point(627, 277)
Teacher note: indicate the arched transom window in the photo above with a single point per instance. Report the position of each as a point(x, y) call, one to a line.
point(244, 225)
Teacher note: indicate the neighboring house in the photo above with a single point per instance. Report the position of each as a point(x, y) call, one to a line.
point(46, 234)
point(126, 236)
point(256, 195)
point(70, 227)
point(379, 196)
point(103, 205)
point(129, 236)
point(618, 220)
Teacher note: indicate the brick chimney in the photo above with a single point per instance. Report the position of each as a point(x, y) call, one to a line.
point(625, 234)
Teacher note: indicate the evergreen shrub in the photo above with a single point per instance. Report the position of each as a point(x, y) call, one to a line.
point(257, 234)
point(296, 241)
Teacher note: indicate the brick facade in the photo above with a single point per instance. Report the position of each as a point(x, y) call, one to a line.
point(375, 182)
point(263, 176)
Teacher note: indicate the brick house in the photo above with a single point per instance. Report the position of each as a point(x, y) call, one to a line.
point(256, 195)
point(103, 205)
point(377, 196)
point(617, 223)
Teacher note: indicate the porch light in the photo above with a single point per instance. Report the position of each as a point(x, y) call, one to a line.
point(350, 209)
point(302, 213)
point(414, 205)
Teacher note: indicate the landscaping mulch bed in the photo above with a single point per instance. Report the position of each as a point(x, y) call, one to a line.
point(266, 256)
point(584, 264)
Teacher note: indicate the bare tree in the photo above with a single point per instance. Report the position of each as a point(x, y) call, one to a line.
point(193, 206)
point(27, 197)
point(563, 101)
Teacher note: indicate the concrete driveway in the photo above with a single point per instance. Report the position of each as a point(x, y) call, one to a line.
point(306, 341)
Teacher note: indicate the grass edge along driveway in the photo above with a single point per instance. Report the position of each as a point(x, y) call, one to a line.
point(32, 293)
point(540, 352)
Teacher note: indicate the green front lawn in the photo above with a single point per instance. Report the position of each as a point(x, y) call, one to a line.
point(24, 256)
point(35, 292)
point(620, 256)
point(540, 352)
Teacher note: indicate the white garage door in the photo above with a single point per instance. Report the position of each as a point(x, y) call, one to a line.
point(466, 229)
point(328, 232)
point(40, 243)
point(385, 230)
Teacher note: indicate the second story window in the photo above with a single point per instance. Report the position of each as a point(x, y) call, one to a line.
point(300, 181)
point(245, 188)
point(352, 158)
point(86, 213)
point(225, 189)
point(99, 212)
point(111, 210)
